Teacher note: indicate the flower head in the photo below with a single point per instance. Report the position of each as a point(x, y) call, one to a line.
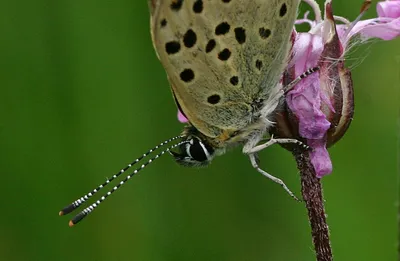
point(320, 107)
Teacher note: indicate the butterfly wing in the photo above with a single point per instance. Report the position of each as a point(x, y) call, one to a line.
point(222, 55)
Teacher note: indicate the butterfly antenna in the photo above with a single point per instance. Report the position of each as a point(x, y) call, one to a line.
point(89, 209)
point(71, 207)
point(291, 85)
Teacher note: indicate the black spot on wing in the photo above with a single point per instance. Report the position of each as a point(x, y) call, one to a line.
point(222, 28)
point(190, 38)
point(283, 10)
point(172, 47)
point(187, 75)
point(264, 32)
point(259, 64)
point(234, 80)
point(176, 5)
point(210, 45)
point(240, 35)
point(224, 54)
point(214, 99)
point(198, 6)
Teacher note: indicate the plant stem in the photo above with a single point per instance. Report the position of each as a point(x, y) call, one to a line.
point(311, 190)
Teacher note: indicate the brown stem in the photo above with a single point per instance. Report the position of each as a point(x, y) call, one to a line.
point(311, 190)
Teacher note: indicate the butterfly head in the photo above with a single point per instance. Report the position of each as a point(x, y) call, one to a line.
point(197, 151)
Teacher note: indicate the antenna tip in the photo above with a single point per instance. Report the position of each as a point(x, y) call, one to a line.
point(68, 209)
point(71, 224)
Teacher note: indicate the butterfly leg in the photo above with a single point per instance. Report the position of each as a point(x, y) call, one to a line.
point(253, 160)
point(274, 141)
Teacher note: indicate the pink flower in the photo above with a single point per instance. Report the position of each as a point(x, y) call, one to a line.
point(322, 103)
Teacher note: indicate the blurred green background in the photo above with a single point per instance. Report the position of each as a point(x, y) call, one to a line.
point(82, 94)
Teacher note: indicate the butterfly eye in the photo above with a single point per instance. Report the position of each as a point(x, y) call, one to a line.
point(193, 152)
point(198, 151)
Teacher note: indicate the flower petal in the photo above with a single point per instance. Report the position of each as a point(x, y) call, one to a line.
point(305, 100)
point(377, 28)
point(389, 9)
point(182, 117)
point(307, 50)
point(319, 157)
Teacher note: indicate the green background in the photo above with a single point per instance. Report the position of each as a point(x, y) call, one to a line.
point(82, 94)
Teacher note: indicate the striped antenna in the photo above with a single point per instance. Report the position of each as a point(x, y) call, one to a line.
point(71, 207)
point(290, 86)
point(89, 209)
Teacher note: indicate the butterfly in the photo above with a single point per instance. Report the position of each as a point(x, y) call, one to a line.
point(224, 60)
